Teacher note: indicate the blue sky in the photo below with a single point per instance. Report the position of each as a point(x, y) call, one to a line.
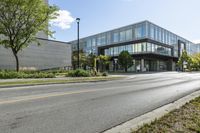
point(179, 16)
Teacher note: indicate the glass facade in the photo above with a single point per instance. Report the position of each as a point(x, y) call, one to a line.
point(127, 35)
point(139, 48)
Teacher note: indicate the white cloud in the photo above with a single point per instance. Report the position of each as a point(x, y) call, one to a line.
point(63, 20)
point(196, 41)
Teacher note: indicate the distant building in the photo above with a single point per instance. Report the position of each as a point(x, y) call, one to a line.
point(153, 48)
point(51, 54)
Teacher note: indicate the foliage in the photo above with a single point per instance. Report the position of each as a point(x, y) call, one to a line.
point(78, 73)
point(185, 119)
point(104, 60)
point(196, 62)
point(185, 58)
point(26, 74)
point(125, 60)
point(20, 22)
point(82, 59)
point(105, 74)
point(91, 60)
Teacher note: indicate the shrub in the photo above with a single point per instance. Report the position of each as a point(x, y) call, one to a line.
point(78, 73)
point(105, 74)
point(28, 74)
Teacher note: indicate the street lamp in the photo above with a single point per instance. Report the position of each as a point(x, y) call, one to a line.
point(78, 21)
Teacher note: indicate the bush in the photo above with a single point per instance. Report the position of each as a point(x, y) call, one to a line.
point(25, 74)
point(105, 74)
point(78, 73)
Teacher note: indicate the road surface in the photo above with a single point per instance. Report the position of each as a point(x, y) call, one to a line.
point(90, 107)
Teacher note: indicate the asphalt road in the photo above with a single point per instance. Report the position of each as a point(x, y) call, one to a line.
point(89, 107)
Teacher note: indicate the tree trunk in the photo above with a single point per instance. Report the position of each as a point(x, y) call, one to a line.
point(126, 69)
point(17, 61)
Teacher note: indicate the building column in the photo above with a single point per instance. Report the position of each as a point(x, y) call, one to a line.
point(142, 65)
point(173, 66)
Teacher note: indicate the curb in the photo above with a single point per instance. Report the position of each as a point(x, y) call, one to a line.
point(137, 122)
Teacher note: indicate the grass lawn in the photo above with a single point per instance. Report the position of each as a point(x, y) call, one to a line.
point(183, 120)
point(56, 81)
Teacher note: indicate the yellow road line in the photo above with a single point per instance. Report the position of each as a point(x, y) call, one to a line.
point(35, 97)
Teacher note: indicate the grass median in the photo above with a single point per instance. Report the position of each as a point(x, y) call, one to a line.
point(55, 81)
point(183, 120)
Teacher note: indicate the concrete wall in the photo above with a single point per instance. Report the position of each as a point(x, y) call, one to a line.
point(51, 54)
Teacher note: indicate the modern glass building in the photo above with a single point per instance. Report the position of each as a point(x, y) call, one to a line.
point(152, 47)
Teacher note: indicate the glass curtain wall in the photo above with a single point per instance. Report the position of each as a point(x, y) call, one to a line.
point(139, 48)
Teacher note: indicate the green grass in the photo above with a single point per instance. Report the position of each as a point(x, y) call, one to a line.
point(183, 120)
point(56, 81)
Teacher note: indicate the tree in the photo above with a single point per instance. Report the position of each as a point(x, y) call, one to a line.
point(91, 60)
point(125, 60)
point(104, 60)
point(185, 58)
point(21, 20)
point(82, 59)
point(196, 61)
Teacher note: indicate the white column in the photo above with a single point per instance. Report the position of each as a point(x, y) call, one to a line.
point(142, 65)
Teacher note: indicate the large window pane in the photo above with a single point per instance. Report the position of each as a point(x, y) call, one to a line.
point(144, 47)
point(116, 52)
point(89, 43)
point(93, 42)
point(98, 41)
point(122, 36)
point(116, 37)
point(103, 40)
point(139, 47)
point(129, 34)
point(129, 49)
point(152, 31)
point(138, 31)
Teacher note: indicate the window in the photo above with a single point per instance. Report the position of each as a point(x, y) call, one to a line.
point(129, 34)
point(94, 42)
point(139, 47)
point(121, 48)
point(107, 52)
point(111, 50)
point(103, 40)
point(135, 48)
point(148, 47)
point(122, 36)
point(153, 48)
point(144, 47)
point(116, 52)
point(116, 37)
point(129, 49)
point(152, 31)
point(89, 43)
point(159, 35)
point(109, 38)
point(138, 32)
point(98, 41)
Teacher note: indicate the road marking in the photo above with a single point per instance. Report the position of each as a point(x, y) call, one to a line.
point(35, 97)
point(49, 95)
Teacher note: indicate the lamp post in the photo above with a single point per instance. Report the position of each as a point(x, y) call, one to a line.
point(78, 21)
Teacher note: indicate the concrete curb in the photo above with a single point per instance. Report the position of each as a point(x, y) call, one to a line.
point(137, 122)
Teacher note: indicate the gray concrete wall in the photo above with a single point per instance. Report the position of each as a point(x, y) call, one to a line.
point(51, 54)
